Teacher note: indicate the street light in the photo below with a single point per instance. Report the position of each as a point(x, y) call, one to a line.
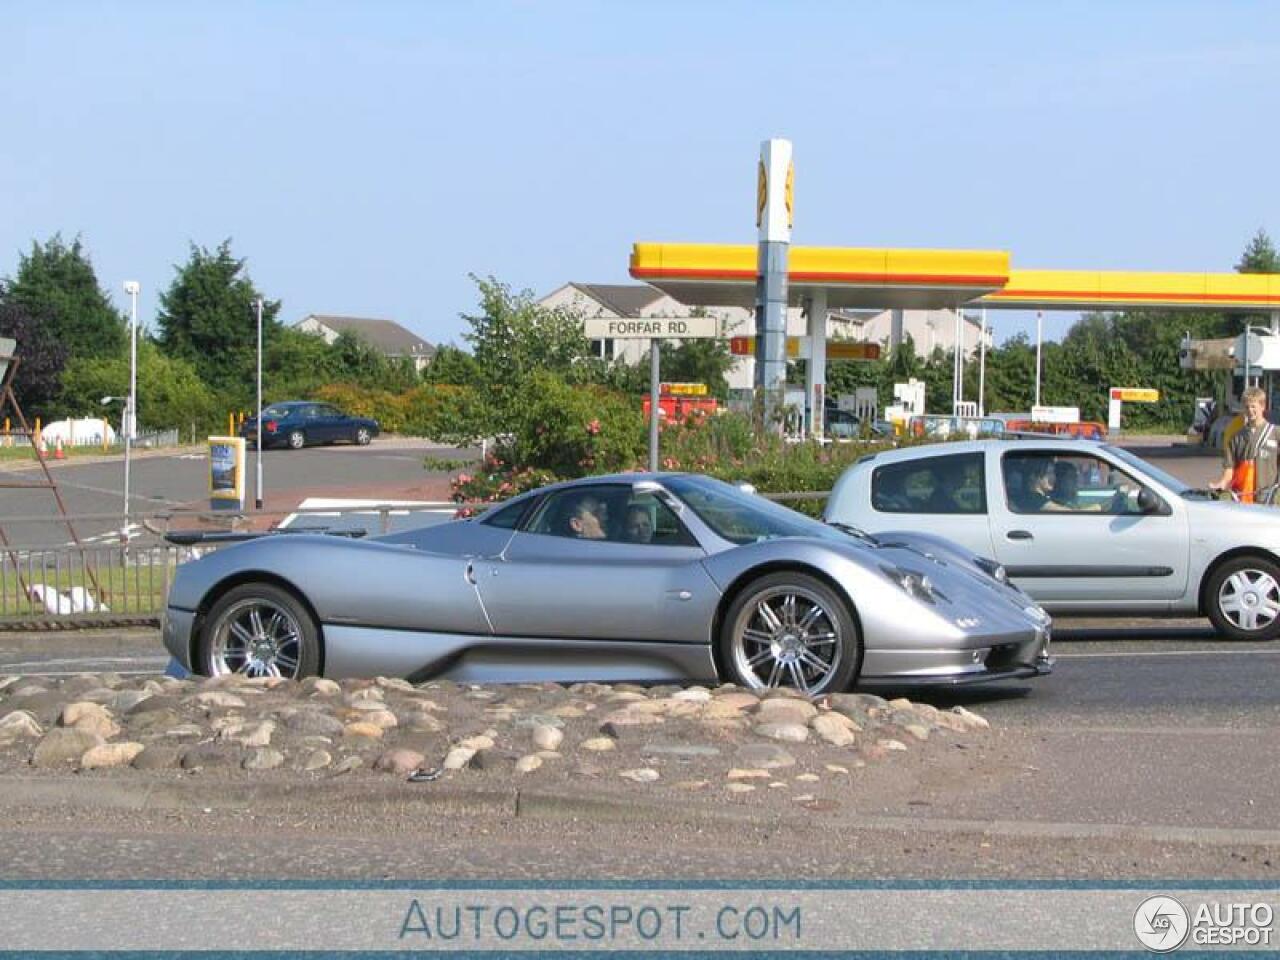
point(132, 288)
point(124, 419)
point(1039, 340)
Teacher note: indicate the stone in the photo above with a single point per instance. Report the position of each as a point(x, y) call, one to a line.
point(20, 723)
point(739, 773)
point(834, 728)
point(693, 694)
point(737, 787)
point(317, 760)
point(366, 705)
point(716, 710)
point(421, 703)
point(891, 745)
point(395, 683)
point(313, 722)
point(249, 734)
point(599, 744)
point(625, 696)
point(621, 719)
point(149, 720)
point(691, 785)
point(681, 749)
point(550, 755)
point(382, 719)
point(183, 731)
point(640, 774)
point(680, 709)
point(424, 722)
point(785, 732)
point(62, 746)
point(362, 729)
point(782, 709)
point(8, 680)
point(318, 687)
point(44, 705)
point(346, 765)
point(126, 700)
point(547, 738)
point(532, 720)
point(400, 762)
point(263, 758)
point(210, 755)
point(153, 703)
point(492, 760)
point(477, 743)
point(835, 768)
point(218, 700)
point(571, 710)
point(528, 763)
point(110, 755)
point(458, 757)
point(158, 756)
point(974, 721)
point(808, 778)
point(765, 756)
point(917, 730)
point(74, 713)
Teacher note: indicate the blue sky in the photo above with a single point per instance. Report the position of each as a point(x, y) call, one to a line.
point(366, 157)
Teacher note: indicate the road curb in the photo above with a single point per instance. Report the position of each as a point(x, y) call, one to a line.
point(512, 802)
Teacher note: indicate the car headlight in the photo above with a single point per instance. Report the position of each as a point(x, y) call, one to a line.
point(916, 584)
point(991, 568)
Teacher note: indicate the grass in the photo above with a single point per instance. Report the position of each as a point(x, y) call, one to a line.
point(136, 589)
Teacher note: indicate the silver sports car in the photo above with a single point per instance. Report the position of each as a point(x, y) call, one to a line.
point(646, 577)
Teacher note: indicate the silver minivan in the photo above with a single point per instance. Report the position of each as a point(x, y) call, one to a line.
point(1085, 528)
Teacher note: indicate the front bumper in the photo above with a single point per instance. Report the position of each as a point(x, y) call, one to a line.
point(175, 631)
point(980, 660)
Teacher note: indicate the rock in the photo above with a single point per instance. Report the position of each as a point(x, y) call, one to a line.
point(126, 700)
point(395, 683)
point(739, 773)
point(249, 734)
point(625, 696)
point(640, 774)
point(891, 745)
point(917, 730)
point(532, 720)
point(737, 787)
point(313, 722)
point(382, 719)
point(681, 749)
point(835, 768)
point(154, 703)
point(8, 680)
point(218, 700)
point(101, 695)
point(783, 709)
point(44, 705)
point(346, 765)
point(400, 762)
point(528, 763)
point(546, 737)
point(834, 728)
point(183, 731)
point(621, 720)
point(599, 744)
point(424, 722)
point(362, 729)
point(808, 778)
point(571, 710)
point(74, 713)
point(366, 704)
point(28, 690)
point(766, 756)
point(477, 743)
point(421, 703)
point(20, 723)
point(691, 785)
point(263, 758)
point(716, 710)
point(786, 732)
point(679, 709)
point(157, 720)
point(973, 721)
point(492, 760)
point(693, 694)
point(110, 755)
point(318, 687)
point(158, 756)
point(648, 706)
point(317, 760)
point(458, 757)
point(210, 755)
point(62, 746)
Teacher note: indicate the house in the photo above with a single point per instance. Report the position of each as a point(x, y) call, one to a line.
point(386, 336)
point(928, 328)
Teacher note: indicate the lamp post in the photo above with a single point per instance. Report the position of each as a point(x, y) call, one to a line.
point(1039, 341)
point(124, 418)
point(132, 288)
point(258, 431)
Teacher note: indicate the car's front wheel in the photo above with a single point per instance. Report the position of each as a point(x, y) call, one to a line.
point(1243, 598)
point(790, 630)
point(363, 436)
point(297, 439)
point(259, 630)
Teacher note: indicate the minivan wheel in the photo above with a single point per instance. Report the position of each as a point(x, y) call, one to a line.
point(1243, 598)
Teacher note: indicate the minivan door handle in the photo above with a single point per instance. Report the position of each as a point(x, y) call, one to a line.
point(1019, 535)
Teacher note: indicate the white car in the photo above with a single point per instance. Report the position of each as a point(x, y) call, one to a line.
point(1085, 528)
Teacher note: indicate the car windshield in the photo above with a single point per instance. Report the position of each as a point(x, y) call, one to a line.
point(1154, 472)
point(741, 517)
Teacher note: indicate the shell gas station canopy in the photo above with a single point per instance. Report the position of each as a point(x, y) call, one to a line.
point(704, 274)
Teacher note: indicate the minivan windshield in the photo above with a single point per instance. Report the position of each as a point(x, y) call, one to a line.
point(741, 517)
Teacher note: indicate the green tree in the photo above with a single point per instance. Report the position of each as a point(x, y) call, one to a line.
point(207, 317)
point(1259, 256)
point(452, 365)
point(56, 283)
point(37, 381)
point(697, 361)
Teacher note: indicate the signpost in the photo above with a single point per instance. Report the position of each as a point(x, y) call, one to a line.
point(654, 329)
point(1122, 395)
point(1055, 414)
point(226, 473)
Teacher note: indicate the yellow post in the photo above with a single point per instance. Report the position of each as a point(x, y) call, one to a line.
point(37, 437)
point(231, 424)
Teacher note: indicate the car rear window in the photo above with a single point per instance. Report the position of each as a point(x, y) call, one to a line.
point(950, 484)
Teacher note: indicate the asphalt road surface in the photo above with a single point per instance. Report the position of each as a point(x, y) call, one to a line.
point(160, 482)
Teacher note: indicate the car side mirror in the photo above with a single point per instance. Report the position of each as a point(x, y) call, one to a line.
point(1148, 502)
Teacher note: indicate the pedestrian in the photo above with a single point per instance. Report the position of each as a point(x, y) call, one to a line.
point(1250, 458)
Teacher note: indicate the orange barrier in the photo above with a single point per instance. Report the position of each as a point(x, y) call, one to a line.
point(1085, 429)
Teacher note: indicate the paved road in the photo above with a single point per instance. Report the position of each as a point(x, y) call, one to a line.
point(389, 467)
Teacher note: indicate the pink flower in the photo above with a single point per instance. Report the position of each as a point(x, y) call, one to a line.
point(463, 478)
point(593, 427)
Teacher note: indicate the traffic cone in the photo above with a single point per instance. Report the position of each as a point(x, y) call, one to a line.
point(58, 453)
point(42, 448)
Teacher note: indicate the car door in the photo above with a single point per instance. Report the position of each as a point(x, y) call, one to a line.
point(552, 582)
point(332, 425)
point(945, 494)
point(1077, 529)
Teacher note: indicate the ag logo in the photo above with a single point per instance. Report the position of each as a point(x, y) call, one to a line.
point(1161, 923)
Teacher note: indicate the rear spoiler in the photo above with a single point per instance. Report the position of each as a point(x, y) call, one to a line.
point(188, 538)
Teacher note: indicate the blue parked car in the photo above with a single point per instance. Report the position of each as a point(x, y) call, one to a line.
point(297, 424)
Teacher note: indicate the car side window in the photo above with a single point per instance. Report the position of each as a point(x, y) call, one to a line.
point(612, 513)
point(955, 483)
point(508, 516)
point(1072, 482)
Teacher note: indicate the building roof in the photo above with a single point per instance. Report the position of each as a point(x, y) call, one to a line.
point(387, 335)
point(624, 299)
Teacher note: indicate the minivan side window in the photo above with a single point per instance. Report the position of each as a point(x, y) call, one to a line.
point(949, 484)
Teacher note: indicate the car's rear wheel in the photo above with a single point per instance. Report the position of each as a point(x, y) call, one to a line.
point(259, 630)
point(363, 436)
point(790, 630)
point(297, 439)
point(1243, 598)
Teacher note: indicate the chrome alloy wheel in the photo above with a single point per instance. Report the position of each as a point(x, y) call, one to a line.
point(786, 636)
point(257, 638)
point(1250, 599)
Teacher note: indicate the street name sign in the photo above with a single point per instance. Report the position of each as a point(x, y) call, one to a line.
point(650, 328)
